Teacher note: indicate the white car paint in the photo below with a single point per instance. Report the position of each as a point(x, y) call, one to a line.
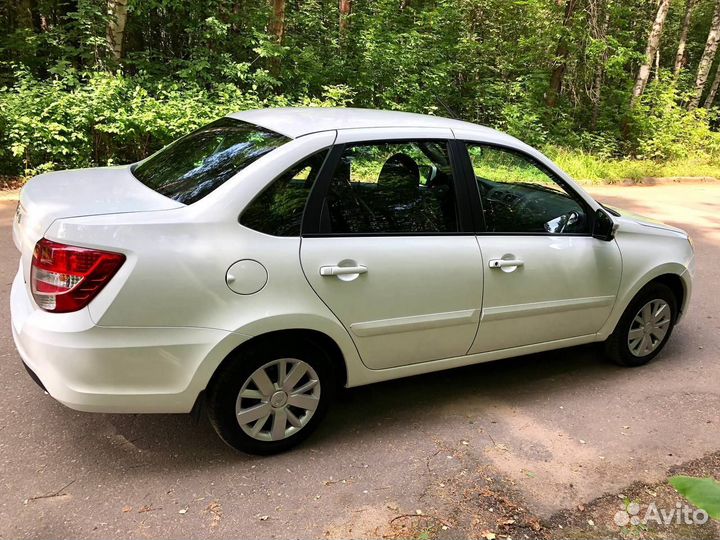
point(154, 336)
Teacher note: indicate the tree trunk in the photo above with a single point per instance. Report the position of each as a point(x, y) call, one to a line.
point(680, 56)
point(345, 7)
point(600, 22)
point(27, 15)
point(117, 9)
point(713, 90)
point(561, 54)
point(277, 21)
point(653, 44)
point(23, 14)
point(707, 59)
point(276, 28)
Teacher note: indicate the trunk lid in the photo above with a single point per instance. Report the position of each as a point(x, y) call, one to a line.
point(76, 193)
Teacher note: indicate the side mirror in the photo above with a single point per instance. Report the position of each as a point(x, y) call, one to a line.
point(603, 226)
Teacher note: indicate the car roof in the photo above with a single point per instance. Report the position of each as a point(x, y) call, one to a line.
point(298, 121)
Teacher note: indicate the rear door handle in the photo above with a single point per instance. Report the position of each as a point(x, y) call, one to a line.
point(504, 263)
point(342, 270)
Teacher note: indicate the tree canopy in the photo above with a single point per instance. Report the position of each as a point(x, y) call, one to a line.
point(107, 81)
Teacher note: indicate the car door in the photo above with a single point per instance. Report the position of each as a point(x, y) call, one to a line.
point(546, 277)
point(388, 245)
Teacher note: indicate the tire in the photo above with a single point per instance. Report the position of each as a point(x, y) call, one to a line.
point(226, 408)
point(623, 350)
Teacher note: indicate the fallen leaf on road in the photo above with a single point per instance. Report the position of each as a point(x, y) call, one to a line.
point(488, 535)
point(215, 509)
point(127, 509)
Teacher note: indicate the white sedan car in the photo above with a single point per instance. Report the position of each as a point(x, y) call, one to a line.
point(259, 263)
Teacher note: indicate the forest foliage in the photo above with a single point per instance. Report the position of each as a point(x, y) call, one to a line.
point(609, 88)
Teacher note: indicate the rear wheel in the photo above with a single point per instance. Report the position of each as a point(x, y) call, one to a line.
point(268, 399)
point(644, 328)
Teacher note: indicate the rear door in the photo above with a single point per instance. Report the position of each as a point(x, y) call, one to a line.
point(388, 245)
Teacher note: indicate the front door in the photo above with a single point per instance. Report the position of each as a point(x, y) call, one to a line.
point(393, 254)
point(546, 277)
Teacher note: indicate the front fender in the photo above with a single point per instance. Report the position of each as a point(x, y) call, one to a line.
point(629, 293)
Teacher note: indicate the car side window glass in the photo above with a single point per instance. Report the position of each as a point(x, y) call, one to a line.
point(279, 209)
point(520, 196)
point(392, 188)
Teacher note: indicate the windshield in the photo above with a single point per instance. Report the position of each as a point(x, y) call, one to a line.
point(198, 163)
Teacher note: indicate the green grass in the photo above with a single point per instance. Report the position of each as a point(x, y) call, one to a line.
point(590, 168)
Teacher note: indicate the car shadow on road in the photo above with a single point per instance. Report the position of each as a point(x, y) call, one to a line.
point(374, 412)
point(468, 391)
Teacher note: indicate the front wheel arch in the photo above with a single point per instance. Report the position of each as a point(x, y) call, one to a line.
point(675, 283)
point(616, 345)
point(671, 274)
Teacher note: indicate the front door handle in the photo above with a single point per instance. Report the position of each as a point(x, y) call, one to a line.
point(504, 263)
point(342, 270)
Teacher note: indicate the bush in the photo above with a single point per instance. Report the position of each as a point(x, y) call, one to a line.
point(586, 167)
point(664, 130)
point(98, 118)
point(102, 118)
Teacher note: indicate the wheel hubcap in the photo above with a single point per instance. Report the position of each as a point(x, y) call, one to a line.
point(649, 327)
point(278, 399)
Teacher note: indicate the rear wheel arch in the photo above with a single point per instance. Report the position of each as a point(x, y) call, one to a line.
point(297, 335)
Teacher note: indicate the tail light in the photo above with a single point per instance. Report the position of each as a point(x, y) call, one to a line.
point(66, 278)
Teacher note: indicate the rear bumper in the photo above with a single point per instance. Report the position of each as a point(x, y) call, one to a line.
point(114, 370)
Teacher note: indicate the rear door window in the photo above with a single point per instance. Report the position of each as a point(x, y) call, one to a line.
point(197, 164)
point(393, 188)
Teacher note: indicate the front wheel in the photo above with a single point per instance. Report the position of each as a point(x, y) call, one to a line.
point(644, 328)
point(268, 399)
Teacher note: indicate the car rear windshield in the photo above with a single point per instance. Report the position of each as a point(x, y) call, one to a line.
point(198, 163)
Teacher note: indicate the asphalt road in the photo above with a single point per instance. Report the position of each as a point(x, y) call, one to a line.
point(562, 427)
